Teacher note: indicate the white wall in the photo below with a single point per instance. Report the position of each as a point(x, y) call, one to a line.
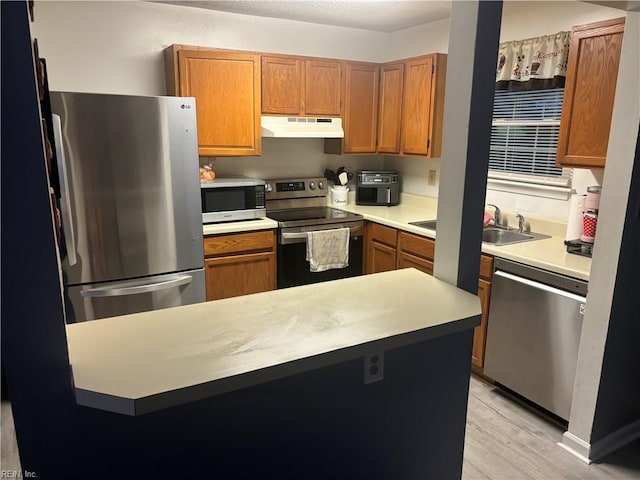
point(116, 47)
point(432, 37)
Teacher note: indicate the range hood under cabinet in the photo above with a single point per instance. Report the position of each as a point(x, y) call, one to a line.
point(301, 127)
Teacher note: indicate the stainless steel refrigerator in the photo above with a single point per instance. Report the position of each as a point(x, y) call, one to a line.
point(130, 203)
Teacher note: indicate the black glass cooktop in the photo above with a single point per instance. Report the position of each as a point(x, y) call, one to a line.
point(311, 216)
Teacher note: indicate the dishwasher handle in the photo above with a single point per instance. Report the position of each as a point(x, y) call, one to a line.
point(539, 286)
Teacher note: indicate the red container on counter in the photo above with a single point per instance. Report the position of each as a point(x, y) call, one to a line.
point(589, 224)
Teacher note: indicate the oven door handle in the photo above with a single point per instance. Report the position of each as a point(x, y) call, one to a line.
point(303, 235)
point(296, 237)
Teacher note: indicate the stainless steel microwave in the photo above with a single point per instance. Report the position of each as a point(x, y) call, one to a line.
point(233, 198)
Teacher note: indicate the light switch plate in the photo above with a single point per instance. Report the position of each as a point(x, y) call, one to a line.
point(431, 180)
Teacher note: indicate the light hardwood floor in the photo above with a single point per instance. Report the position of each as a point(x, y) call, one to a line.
point(504, 441)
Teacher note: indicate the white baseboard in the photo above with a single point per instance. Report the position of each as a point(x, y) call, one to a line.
point(595, 451)
point(615, 440)
point(575, 446)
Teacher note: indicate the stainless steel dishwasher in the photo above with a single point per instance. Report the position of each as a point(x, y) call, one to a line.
point(535, 319)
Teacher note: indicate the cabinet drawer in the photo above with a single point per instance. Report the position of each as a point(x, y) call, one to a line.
point(239, 243)
point(417, 245)
point(486, 267)
point(382, 234)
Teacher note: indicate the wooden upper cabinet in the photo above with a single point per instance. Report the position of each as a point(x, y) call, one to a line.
point(423, 105)
point(412, 106)
point(592, 71)
point(417, 105)
point(360, 108)
point(322, 87)
point(301, 86)
point(390, 109)
point(226, 85)
point(282, 80)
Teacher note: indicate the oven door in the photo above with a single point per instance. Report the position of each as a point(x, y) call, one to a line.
point(293, 268)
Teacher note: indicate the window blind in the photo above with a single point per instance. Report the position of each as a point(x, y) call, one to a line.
point(524, 136)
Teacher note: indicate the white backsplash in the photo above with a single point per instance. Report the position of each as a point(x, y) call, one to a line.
point(414, 173)
point(289, 158)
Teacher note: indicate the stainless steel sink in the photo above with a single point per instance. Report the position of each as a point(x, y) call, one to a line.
point(505, 236)
point(493, 235)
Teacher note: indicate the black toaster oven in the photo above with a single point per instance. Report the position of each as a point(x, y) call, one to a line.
point(377, 187)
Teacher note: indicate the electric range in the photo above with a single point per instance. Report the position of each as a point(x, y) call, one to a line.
point(299, 205)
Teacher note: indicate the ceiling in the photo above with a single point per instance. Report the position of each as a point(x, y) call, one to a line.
point(377, 15)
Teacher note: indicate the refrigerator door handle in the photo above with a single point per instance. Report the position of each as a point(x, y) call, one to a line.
point(65, 201)
point(136, 287)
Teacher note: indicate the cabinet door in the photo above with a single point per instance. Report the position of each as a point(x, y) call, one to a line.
point(590, 87)
point(282, 85)
point(226, 86)
point(406, 260)
point(382, 258)
point(480, 332)
point(390, 113)
point(240, 275)
point(361, 108)
point(322, 94)
point(416, 119)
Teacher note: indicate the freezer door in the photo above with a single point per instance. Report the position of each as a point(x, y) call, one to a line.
point(91, 302)
point(131, 177)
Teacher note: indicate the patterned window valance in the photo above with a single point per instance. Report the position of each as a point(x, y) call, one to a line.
point(533, 64)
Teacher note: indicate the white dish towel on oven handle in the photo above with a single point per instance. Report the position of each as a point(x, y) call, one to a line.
point(327, 249)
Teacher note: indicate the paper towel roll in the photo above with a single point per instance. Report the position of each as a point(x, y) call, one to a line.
point(574, 221)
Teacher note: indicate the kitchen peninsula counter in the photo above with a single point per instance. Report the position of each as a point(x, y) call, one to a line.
point(148, 361)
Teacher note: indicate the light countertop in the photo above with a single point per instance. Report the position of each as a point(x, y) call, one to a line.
point(138, 363)
point(548, 254)
point(242, 226)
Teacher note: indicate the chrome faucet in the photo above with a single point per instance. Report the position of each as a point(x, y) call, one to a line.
point(496, 214)
point(520, 218)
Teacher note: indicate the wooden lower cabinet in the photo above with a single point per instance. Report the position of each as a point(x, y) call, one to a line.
point(382, 258)
point(406, 260)
point(380, 248)
point(389, 249)
point(240, 264)
point(480, 332)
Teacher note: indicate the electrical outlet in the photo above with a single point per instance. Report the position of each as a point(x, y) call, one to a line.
point(373, 367)
point(432, 177)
